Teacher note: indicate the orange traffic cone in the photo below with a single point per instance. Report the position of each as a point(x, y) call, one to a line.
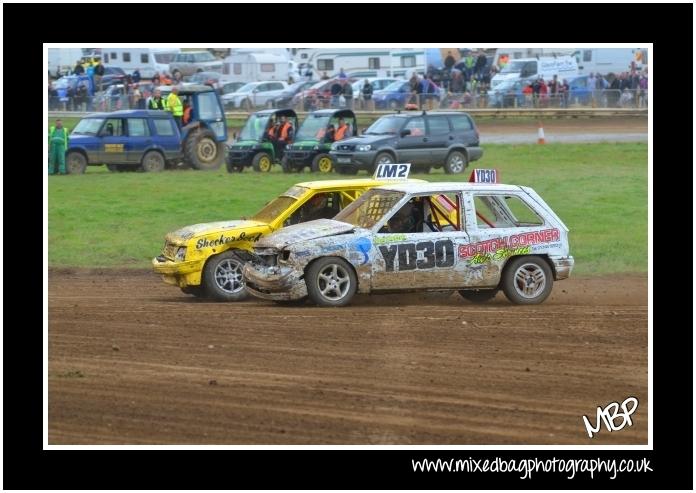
point(541, 139)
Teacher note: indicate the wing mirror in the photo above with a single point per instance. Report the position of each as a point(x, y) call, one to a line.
point(405, 132)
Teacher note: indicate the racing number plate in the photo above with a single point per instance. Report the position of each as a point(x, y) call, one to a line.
point(343, 160)
point(113, 147)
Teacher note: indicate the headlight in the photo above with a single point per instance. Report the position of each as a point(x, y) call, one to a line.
point(334, 147)
point(365, 147)
point(315, 148)
point(288, 147)
point(180, 254)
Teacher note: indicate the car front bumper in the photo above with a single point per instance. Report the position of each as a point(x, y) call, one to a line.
point(303, 157)
point(240, 157)
point(357, 159)
point(274, 283)
point(563, 266)
point(180, 274)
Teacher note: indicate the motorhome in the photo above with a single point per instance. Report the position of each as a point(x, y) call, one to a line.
point(534, 68)
point(147, 61)
point(255, 67)
point(62, 60)
point(610, 60)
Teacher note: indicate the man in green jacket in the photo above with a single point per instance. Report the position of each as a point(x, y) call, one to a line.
point(57, 144)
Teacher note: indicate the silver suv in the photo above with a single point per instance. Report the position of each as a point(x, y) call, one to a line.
point(189, 62)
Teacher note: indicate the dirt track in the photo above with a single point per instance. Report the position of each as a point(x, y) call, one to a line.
point(134, 361)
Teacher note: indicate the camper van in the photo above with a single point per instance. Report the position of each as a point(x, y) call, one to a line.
point(534, 68)
point(62, 60)
point(610, 60)
point(148, 61)
point(255, 67)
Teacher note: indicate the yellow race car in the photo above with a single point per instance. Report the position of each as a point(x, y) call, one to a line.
point(207, 260)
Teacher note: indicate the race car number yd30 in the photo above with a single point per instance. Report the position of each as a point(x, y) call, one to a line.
point(476, 238)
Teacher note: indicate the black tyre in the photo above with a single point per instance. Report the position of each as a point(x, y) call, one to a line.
point(527, 280)
point(384, 158)
point(153, 162)
point(322, 163)
point(222, 277)
point(331, 281)
point(478, 295)
point(199, 70)
point(346, 170)
point(196, 291)
point(455, 163)
point(202, 151)
point(75, 163)
point(262, 162)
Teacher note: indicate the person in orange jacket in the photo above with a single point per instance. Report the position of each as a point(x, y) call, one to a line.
point(342, 130)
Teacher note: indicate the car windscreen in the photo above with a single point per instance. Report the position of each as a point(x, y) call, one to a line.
point(203, 57)
point(88, 126)
point(370, 208)
point(385, 126)
point(394, 86)
point(208, 107)
point(309, 130)
point(274, 208)
point(254, 128)
point(246, 88)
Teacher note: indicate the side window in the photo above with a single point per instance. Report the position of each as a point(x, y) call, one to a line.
point(237, 68)
point(143, 58)
point(426, 214)
point(113, 127)
point(277, 86)
point(137, 127)
point(503, 211)
point(438, 126)
point(114, 55)
point(416, 126)
point(126, 57)
point(460, 123)
point(262, 88)
point(163, 127)
point(322, 205)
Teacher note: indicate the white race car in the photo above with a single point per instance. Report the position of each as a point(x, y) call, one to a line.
point(476, 238)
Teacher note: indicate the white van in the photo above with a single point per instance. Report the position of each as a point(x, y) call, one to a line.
point(146, 60)
point(610, 60)
point(564, 67)
point(255, 67)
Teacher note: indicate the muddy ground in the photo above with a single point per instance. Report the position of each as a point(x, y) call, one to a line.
point(133, 361)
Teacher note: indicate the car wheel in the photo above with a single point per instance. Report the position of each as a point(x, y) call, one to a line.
point(262, 162)
point(202, 151)
point(322, 163)
point(153, 162)
point(331, 281)
point(455, 163)
point(76, 163)
point(199, 70)
point(478, 295)
point(222, 277)
point(527, 280)
point(383, 158)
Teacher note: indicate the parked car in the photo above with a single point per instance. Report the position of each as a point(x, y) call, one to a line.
point(398, 238)
point(112, 75)
point(254, 94)
point(378, 83)
point(189, 62)
point(206, 78)
point(438, 139)
point(230, 87)
point(284, 99)
point(394, 96)
point(508, 94)
point(318, 95)
point(206, 260)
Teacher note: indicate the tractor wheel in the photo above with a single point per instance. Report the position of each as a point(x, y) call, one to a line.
point(202, 151)
point(322, 163)
point(262, 162)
